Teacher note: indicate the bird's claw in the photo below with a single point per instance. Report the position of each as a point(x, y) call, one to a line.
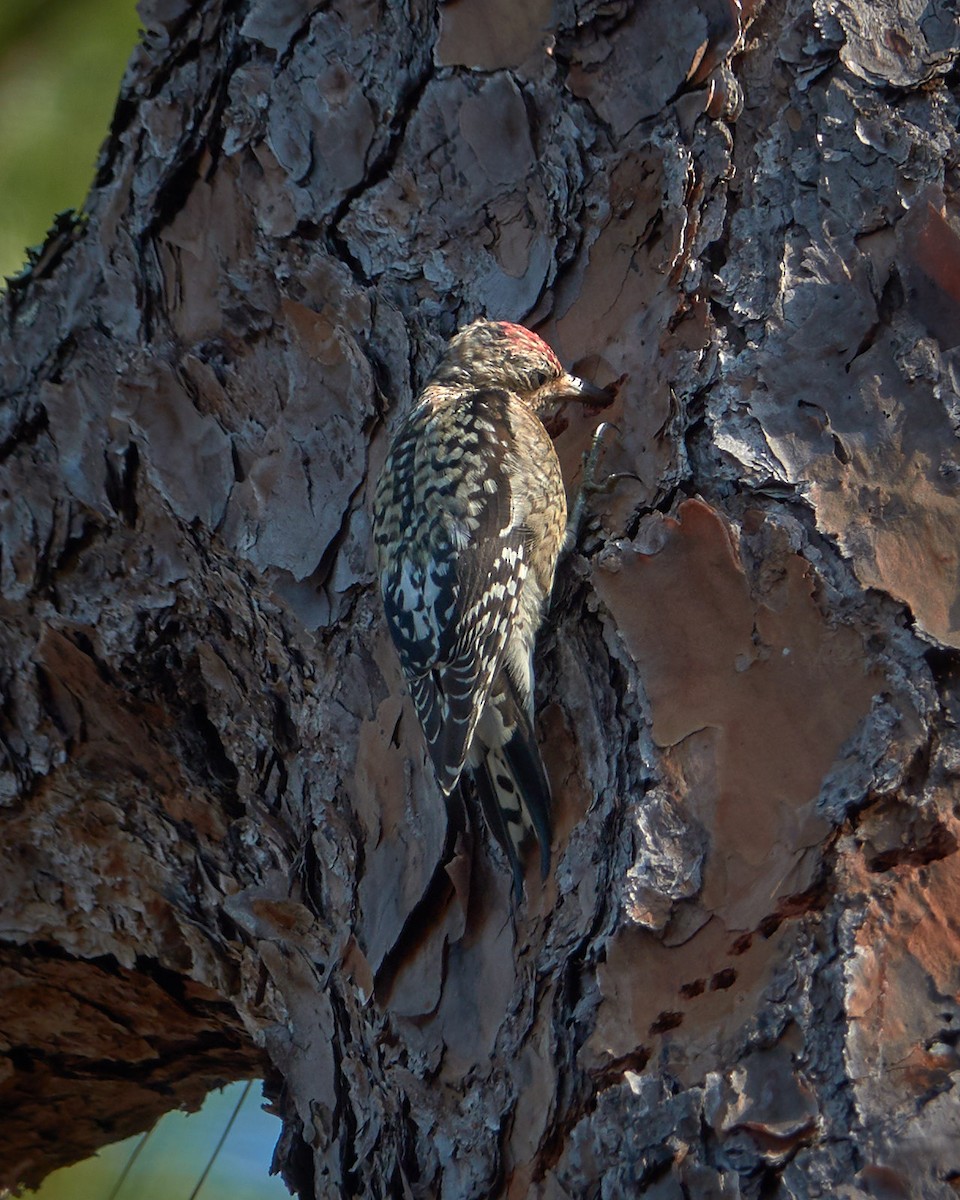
point(589, 485)
point(592, 456)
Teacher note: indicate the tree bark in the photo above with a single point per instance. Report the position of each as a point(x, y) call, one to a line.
point(224, 845)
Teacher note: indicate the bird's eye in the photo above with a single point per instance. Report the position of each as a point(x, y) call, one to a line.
point(542, 377)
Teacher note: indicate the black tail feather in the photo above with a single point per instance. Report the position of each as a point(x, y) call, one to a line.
point(515, 796)
point(493, 814)
point(523, 755)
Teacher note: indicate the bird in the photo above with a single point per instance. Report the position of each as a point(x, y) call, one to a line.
point(469, 519)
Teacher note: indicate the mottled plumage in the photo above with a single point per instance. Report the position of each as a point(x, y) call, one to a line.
point(469, 518)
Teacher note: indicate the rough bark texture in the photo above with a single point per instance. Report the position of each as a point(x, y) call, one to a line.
point(222, 838)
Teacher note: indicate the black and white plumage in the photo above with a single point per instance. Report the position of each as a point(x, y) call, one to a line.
point(469, 519)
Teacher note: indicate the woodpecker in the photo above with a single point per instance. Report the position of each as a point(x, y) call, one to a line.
point(469, 519)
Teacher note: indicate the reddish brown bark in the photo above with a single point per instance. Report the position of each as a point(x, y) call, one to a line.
point(223, 843)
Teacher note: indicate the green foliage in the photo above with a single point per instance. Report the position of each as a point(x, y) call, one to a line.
point(170, 1163)
point(61, 62)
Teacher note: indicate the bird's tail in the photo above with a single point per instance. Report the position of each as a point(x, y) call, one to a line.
point(515, 795)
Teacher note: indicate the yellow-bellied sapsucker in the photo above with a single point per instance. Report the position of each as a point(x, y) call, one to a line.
point(469, 519)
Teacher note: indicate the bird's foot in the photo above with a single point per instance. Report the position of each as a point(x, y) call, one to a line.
point(590, 486)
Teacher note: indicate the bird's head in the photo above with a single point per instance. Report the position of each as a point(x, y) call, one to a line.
point(499, 354)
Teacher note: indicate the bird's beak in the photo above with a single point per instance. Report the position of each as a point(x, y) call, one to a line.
point(571, 387)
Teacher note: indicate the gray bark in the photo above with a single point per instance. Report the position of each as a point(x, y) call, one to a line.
point(223, 842)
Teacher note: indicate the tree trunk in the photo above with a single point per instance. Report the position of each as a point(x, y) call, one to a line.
point(224, 843)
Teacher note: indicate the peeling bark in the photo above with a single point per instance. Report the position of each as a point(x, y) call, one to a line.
point(224, 846)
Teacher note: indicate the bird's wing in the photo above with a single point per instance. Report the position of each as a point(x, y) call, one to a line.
point(452, 596)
